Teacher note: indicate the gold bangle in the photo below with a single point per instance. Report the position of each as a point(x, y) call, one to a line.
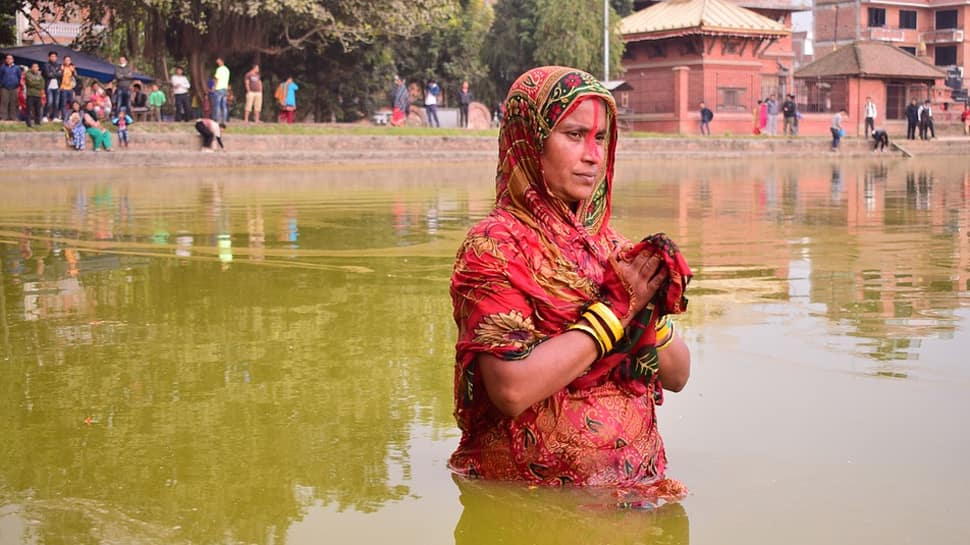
point(662, 322)
point(601, 332)
point(589, 331)
point(668, 339)
point(609, 319)
point(666, 344)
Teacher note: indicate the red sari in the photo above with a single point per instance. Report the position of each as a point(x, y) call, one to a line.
point(522, 276)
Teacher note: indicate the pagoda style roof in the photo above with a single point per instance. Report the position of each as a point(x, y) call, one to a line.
point(673, 18)
point(870, 60)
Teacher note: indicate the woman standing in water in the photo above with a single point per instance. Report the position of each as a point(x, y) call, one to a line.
point(560, 359)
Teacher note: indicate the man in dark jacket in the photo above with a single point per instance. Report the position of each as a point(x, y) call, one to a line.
point(912, 118)
point(52, 81)
point(33, 89)
point(9, 83)
point(788, 111)
point(122, 96)
point(706, 117)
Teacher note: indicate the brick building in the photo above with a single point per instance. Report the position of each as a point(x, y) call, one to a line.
point(680, 52)
point(845, 77)
point(932, 30)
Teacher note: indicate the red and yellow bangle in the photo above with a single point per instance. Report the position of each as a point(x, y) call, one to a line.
point(665, 333)
point(601, 312)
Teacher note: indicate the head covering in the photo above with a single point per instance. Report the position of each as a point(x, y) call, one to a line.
point(537, 101)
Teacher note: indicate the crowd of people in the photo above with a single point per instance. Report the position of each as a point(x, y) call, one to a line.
point(431, 96)
point(55, 92)
point(919, 119)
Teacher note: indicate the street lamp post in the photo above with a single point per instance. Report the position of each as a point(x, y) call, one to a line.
point(606, 40)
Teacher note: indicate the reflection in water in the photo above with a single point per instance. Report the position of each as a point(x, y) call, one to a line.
point(509, 514)
point(214, 360)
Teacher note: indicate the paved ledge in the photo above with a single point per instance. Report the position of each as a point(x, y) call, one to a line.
point(181, 149)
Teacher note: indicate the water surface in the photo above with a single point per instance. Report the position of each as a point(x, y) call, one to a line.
point(265, 356)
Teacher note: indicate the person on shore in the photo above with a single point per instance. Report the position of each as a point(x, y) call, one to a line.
point(400, 102)
point(756, 119)
point(34, 90)
point(139, 102)
point(155, 102)
point(180, 93)
point(431, 93)
point(912, 119)
point(122, 121)
point(965, 118)
point(763, 116)
point(706, 117)
point(837, 130)
point(286, 96)
point(254, 94)
point(52, 76)
point(69, 80)
point(880, 140)
point(869, 109)
point(561, 359)
point(74, 126)
point(101, 101)
point(10, 75)
point(465, 98)
point(123, 79)
point(772, 111)
point(100, 137)
point(926, 130)
point(220, 92)
point(211, 133)
point(789, 112)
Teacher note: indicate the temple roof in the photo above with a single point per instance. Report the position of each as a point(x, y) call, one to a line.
point(707, 17)
point(870, 59)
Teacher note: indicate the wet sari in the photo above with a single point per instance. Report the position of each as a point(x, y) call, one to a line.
point(524, 274)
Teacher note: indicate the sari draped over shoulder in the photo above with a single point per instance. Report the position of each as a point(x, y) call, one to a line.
point(523, 275)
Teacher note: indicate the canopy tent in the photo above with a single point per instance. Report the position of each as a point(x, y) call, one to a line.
point(88, 66)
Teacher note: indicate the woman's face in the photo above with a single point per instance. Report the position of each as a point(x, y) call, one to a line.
point(575, 152)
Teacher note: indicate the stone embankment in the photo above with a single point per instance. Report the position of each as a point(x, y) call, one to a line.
point(181, 149)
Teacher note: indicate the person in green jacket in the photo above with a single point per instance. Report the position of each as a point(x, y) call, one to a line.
point(155, 102)
point(34, 83)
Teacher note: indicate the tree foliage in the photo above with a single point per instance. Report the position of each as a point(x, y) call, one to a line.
point(571, 34)
point(510, 45)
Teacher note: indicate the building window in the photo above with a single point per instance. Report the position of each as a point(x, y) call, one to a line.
point(907, 19)
point(877, 17)
point(945, 55)
point(910, 50)
point(946, 19)
point(730, 99)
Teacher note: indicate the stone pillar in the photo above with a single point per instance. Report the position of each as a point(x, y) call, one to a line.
point(681, 107)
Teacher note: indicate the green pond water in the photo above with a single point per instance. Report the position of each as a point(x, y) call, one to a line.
point(265, 356)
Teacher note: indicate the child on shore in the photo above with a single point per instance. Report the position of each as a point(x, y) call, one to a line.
point(122, 120)
point(75, 126)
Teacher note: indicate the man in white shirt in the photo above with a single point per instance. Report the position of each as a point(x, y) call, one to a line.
point(220, 110)
point(180, 90)
point(870, 115)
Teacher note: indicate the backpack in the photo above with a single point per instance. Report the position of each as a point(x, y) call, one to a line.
point(280, 94)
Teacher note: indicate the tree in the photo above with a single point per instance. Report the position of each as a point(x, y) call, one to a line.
point(8, 27)
point(571, 34)
point(199, 29)
point(510, 46)
point(451, 52)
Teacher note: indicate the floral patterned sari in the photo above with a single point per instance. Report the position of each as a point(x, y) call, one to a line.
point(522, 276)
